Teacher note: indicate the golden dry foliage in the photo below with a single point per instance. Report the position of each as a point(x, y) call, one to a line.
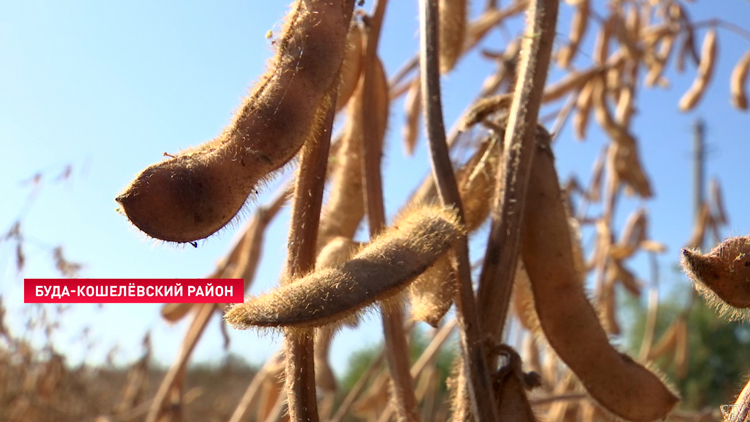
point(200, 190)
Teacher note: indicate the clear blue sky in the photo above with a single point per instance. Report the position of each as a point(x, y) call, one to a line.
point(110, 86)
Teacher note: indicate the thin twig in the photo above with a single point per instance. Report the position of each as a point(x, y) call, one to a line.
point(558, 398)
point(500, 260)
point(653, 310)
point(393, 330)
point(563, 114)
point(279, 409)
point(428, 356)
point(354, 393)
point(404, 71)
point(742, 32)
point(308, 198)
point(480, 387)
point(198, 325)
point(431, 350)
point(252, 391)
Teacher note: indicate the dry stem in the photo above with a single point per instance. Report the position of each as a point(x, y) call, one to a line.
point(499, 267)
point(393, 330)
point(476, 368)
point(308, 198)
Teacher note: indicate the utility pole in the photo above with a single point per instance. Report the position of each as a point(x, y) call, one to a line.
point(699, 165)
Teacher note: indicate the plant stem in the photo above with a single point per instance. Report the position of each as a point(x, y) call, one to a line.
point(393, 330)
point(500, 260)
point(480, 388)
point(308, 198)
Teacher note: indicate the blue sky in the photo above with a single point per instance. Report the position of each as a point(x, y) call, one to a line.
point(109, 86)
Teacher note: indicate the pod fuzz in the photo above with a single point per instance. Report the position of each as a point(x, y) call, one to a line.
point(196, 193)
point(378, 272)
point(723, 275)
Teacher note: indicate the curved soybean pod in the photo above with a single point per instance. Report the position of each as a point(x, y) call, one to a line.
point(381, 270)
point(570, 324)
point(196, 193)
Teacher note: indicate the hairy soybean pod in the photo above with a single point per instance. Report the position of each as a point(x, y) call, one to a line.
point(199, 191)
point(567, 318)
point(381, 270)
point(722, 275)
point(452, 32)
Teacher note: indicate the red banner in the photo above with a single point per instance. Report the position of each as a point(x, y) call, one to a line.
point(128, 290)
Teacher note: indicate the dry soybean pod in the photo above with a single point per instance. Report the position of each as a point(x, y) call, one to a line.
point(523, 300)
point(721, 275)
point(196, 193)
point(583, 110)
point(413, 110)
point(570, 324)
point(351, 68)
point(572, 81)
point(346, 207)
point(738, 81)
point(657, 68)
point(577, 31)
point(453, 18)
point(431, 294)
point(601, 46)
point(705, 72)
point(378, 272)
